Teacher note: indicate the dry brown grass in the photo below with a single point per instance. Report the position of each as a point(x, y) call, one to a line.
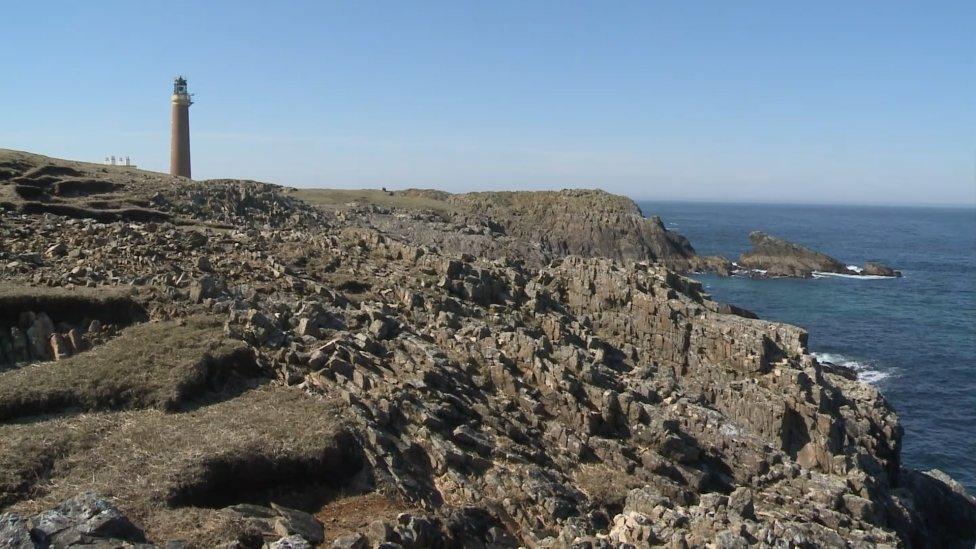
point(29, 451)
point(351, 514)
point(606, 486)
point(166, 471)
point(148, 365)
point(408, 200)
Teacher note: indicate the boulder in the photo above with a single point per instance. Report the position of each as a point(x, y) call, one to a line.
point(76, 340)
point(644, 500)
point(39, 336)
point(204, 264)
point(15, 532)
point(417, 531)
point(59, 347)
point(206, 287)
point(289, 542)
point(308, 327)
point(741, 503)
point(56, 250)
point(878, 269)
point(292, 522)
point(85, 518)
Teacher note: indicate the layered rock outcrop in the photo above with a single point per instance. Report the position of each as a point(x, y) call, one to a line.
point(535, 227)
point(486, 401)
point(775, 257)
point(590, 223)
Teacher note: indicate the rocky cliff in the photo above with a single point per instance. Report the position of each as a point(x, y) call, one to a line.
point(535, 227)
point(591, 223)
point(253, 371)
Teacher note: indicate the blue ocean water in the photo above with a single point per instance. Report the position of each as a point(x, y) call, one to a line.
point(914, 337)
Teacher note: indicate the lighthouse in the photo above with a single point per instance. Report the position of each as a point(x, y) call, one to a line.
point(179, 153)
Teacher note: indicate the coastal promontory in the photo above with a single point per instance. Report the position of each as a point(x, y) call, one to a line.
point(230, 363)
point(533, 226)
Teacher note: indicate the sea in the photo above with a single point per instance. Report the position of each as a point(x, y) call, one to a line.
point(914, 337)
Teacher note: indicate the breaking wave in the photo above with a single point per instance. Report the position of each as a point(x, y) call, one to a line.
point(868, 373)
point(821, 274)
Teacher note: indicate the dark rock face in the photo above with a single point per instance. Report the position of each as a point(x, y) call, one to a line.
point(954, 523)
point(779, 257)
point(590, 223)
point(775, 257)
point(537, 227)
point(878, 269)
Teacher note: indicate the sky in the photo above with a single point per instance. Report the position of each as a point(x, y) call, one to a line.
point(815, 102)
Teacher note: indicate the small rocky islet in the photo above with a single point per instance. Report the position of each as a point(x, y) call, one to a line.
point(235, 364)
point(774, 257)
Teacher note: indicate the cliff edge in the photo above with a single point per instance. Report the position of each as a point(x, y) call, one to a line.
point(532, 226)
point(591, 223)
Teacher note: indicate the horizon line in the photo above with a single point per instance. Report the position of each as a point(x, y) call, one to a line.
point(733, 202)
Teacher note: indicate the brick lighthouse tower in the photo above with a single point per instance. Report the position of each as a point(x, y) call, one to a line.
point(179, 153)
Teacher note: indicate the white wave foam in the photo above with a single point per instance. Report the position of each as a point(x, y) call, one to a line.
point(865, 372)
point(821, 274)
point(855, 268)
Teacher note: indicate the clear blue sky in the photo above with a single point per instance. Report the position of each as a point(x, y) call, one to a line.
point(855, 102)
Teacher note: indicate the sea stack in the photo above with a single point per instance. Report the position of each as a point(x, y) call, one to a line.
point(179, 154)
point(775, 257)
point(779, 257)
